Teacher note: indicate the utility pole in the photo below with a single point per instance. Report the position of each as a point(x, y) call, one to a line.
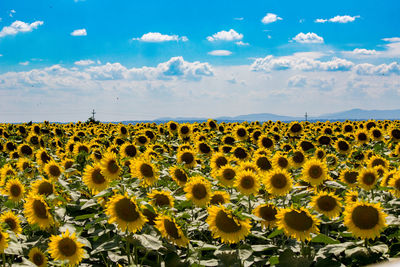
point(306, 116)
point(93, 114)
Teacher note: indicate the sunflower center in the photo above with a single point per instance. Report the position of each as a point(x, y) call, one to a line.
point(221, 161)
point(11, 223)
point(298, 221)
point(229, 140)
point(268, 213)
point(378, 162)
point(279, 180)
point(44, 157)
point(295, 128)
point(324, 140)
point(343, 146)
point(362, 137)
point(142, 139)
point(15, 190)
point(150, 216)
point(397, 184)
point(263, 163)
point(97, 177)
point(25, 165)
point(130, 151)
point(26, 150)
point(38, 259)
point(396, 133)
point(68, 164)
point(376, 133)
point(298, 157)
point(326, 203)
point(350, 177)
point(146, 170)
point(67, 247)
point(266, 142)
point(112, 166)
point(181, 175)
point(97, 155)
point(45, 188)
point(199, 191)
point(306, 145)
point(187, 157)
point(40, 209)
point(173, 126)
point(369, 178)
point(315, 172)
point(241, 132)
point(126, 210)
point(161, 200)
point(226, 224)
point(283, 162)
point(34, 140)
point(320, 154)
point(247, 182)
point(365, 217)
point(54, 171)
point(171, 229)
point(204, 148)
point(217, 199)
point(228, 174)
point(240, 153)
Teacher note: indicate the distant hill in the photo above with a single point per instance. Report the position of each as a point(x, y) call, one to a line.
point(352, 114)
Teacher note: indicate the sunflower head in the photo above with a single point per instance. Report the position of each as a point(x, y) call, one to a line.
point(109, 166)
point(278, 182)
point(12, 221)
point(267, 212)
point(161, 199)
point(280, 161)
point(37, 211)
point(314, 172)
point(349, 177)
point(198, 190)
point(37, 257)
point(187, 157)
point(66, 247)
point(15, 190)
point(219, 197)
point(145, 170)
point(247, 182)
point(94, 178)
point(367, 178)
point(171, 231)
point(326, 203)
point(53, 170)
point(4, 239)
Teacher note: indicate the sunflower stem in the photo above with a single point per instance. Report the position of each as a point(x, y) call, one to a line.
point(128, 250)
point(4, 259)
point(366, 243)
point(249, 204)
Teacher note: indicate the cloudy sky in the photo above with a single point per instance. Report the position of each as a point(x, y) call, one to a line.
point(133, 60)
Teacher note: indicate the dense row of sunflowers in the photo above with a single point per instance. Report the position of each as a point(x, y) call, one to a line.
point(203, 193)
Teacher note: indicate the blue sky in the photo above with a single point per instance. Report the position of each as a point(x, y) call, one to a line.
point(60, 59)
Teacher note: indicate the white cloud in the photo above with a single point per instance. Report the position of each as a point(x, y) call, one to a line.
point(308, 38)
point(382, 69)
point(230, 35)
point(241, 43)
point(19, 26)
point(362, 51)
point(156, 37)
point(392, 39)
point(12, 12)
point(269, 18)
point(241, 18)
point(338, 19)
point(84, 62)
point(26, 63)
point(220, 53)
point(297, 81)
point(79, 32)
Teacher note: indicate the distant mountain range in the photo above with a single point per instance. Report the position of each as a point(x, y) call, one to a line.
point(352, 114)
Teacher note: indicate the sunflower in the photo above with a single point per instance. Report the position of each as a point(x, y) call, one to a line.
point(129, 150)
point(247, 182)
point(314, 172)
point(240, 133)
point(395, 183)
point(241, 153)
point(178, 174)
point(367, 178)
point(42, 187)
point(4, 239)
point(280, 160)
point(327, 203)
point(376, 161)
point(331, 161)
point(198, 190)
point(187, 157)
point(226, 175)
point(145, 170)
point(266, 142)
point(37, 257)
point(248, 166)
point(267, 212)
point(184, 130)
point(394, 133)
point(172, 127)
point(218, 160)
point(278, 182)
point(171, 231)
point(96, 155)
point(53, 170)
point(263, 163)
point(364, 220)
point(297, 223)
point(109, 166)
point(94, 179)
point(15, 190)
point(12, 221)
point(224, 224)
point(351, 196)
point(66, 247)
point(42, 157)
point(37, 211)
point(142, 140)
point(320, 153)
point(295, 129)
point(203, 148)
point(349, 177)
point(298, 158)
point(125, 213)
point(219, 197)
point(25, 150)
point(362, 136)
point(161, 198)
point(81, 147)
point(342, 146)
point(376, 134)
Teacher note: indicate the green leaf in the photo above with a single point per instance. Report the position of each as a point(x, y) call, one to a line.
point(274, 260)
point(84, 216)
point(321, 238)
point(259, 248)
point(149, 241)
point(275, 233)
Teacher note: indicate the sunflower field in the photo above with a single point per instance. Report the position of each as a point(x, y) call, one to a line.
point(200, 194)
